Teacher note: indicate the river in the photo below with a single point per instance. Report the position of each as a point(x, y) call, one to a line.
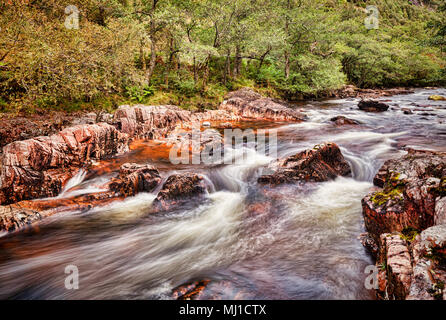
point(306, 247)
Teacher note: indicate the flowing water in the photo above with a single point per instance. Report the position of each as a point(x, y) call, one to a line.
point(302, 245)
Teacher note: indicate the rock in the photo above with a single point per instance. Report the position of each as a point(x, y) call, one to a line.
point(40, 167)
point(151, 122)
point(412, 186)
point(323, 162)
point(369, 243)
point(372, 106)
point(406, 111)
point(341, 120)
point(13, 218)
point(248, 104)
point(134, 178)
point(429, 274)
point(436, 97)
point(190, 291)
point(394, 259)
point(178, 189)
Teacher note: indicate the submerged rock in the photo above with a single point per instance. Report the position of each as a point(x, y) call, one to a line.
point(178, 189)
point(372, 106)
point(134, 178)
point(341, 120)
point(413, 188)
point(248, 104)
point(323, 162)
point(40, 167)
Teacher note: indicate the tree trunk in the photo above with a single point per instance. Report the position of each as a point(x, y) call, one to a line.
point(286, 54)
point(287, 65)
point(227, 68)
point(195, 72)
point(142, 58)
point(237, 62)
point(152, 61)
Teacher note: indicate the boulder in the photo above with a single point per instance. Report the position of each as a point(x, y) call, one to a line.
point(134, 178)
point(411, 194)
point(323, 162)
point(436, 97)
point(178, 189)
point(248, 104)
point(372, 106)
point(341, 120)
point(41, 166)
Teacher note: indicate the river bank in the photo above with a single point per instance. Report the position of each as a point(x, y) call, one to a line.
point(231, 229)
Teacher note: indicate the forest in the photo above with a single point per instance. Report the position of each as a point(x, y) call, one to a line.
point(96, 54)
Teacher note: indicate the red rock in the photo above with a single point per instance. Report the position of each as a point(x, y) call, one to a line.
point(322, 163)
point(394, 257)
point(411, 195)
point(149, 121)
point(179, 188)
point(341, 120)
point(40, 167)
point(248, 104)
point(134, 178)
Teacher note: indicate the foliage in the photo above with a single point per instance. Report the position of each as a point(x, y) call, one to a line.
point(191, 52)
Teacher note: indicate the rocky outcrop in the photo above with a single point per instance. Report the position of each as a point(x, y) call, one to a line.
point(413, 266)
point(248, 104)
point(406, 216)
point(341, 120)
point(395, 266)
point(323, 162)
point(372, 106)
point(134, 178)
point(411, 194)
point(40, 167)
point(179, 188)
point(150, 122)
point(351, 91)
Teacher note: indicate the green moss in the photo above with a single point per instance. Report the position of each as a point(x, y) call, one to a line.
point(393, 190)
point(409, 234)
point(380, 198)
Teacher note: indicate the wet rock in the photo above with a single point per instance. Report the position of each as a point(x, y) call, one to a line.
point(14, 218)
point(369, 243)
point(341, 120)
point(40, 167)
point(134, 178)
point(372, 106)
point(394, 259)
point(436, 97)
point(411, 195)
point(323, 162)
point(407, 111)
point(178, 189)
point(190, 291)
point(248, 104)
point(429, 275)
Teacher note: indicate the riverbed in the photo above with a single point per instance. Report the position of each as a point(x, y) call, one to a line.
point(304, 246)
